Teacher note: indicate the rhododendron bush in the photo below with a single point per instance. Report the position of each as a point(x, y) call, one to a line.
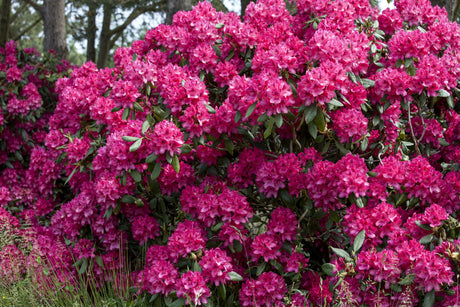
point(293, 158)
point(28, 99)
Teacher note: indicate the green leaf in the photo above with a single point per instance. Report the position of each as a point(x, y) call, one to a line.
point(423, 226)
point(130, 138)
point(367, 83)
point(359, 240)
point(341, 253)
point(108, 212)
point(428, 301)
point(427, 239)
point(411, 70)
point(128, 199)
point(364, 144)
point(237, 116)
point(229, 146)
point(261, 268)
point(310, 113)
point(84, 266)
point(135, 145)
point(217, 227)
point(222, 291)
point(145, 127)
point(276, 265)
point(443, 93)
point(196, 267)
point(116, 109)
point(279, 120)
point(335, 102)
point(320, 121)
point(250, 109)
point(185, 149)
point(450, 102)
point(407, 280)
point(352, 77)
point(262, 118)
point(99, 261)
point(126, 113)
point(237, 245)
point(71, 174)
point(396, 288)
point(156, 171)
point(230, 54)
point(269, 129)
point(234, 276)
point(178, 303)
point(175, 163)
point(219, 26)
point(217, 50)
point(138, 107)
point(328, 268)
point(211, 110)
point(135, 175)
point(151, 158)
point(313, 130)
point(342, 148)
point(409, 61)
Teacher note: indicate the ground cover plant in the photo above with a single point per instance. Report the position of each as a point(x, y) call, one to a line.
point(305, 158)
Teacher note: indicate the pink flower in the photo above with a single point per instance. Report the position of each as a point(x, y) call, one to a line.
point(390, 21)
point(156, 252)
point(434, 215)
point(381, 266)
point(192, 286)
point(267, 246)
point(294, 262)
point(172, 182)
point(160, 276)
point(187, 237)
point(349, 125)
point(268, 289)
point(84, 248)
point(13, 74)
point(234, 207)
point(12, 263)
point(166, 138)
point(144, 228)
point(124, 93)
point(432, 271)
point(216, 265)
point(283, 223)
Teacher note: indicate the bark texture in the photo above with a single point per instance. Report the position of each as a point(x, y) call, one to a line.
point(451, 7)
point(91, 34)
point(244, 4)
point(5, 11)
point(54, 27)
point(175, 6)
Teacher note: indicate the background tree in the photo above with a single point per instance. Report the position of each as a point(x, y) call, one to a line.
point(5, 9)
point(244, 4)
point(452, 7)
point(175, 6)
point(54, 25)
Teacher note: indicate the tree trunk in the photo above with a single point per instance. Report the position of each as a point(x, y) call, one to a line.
point(91, 34)
point(449, 5)
point(54, 26)
point(5, 10)
point(104, 38)
point(175, 6)
point(244, 4)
